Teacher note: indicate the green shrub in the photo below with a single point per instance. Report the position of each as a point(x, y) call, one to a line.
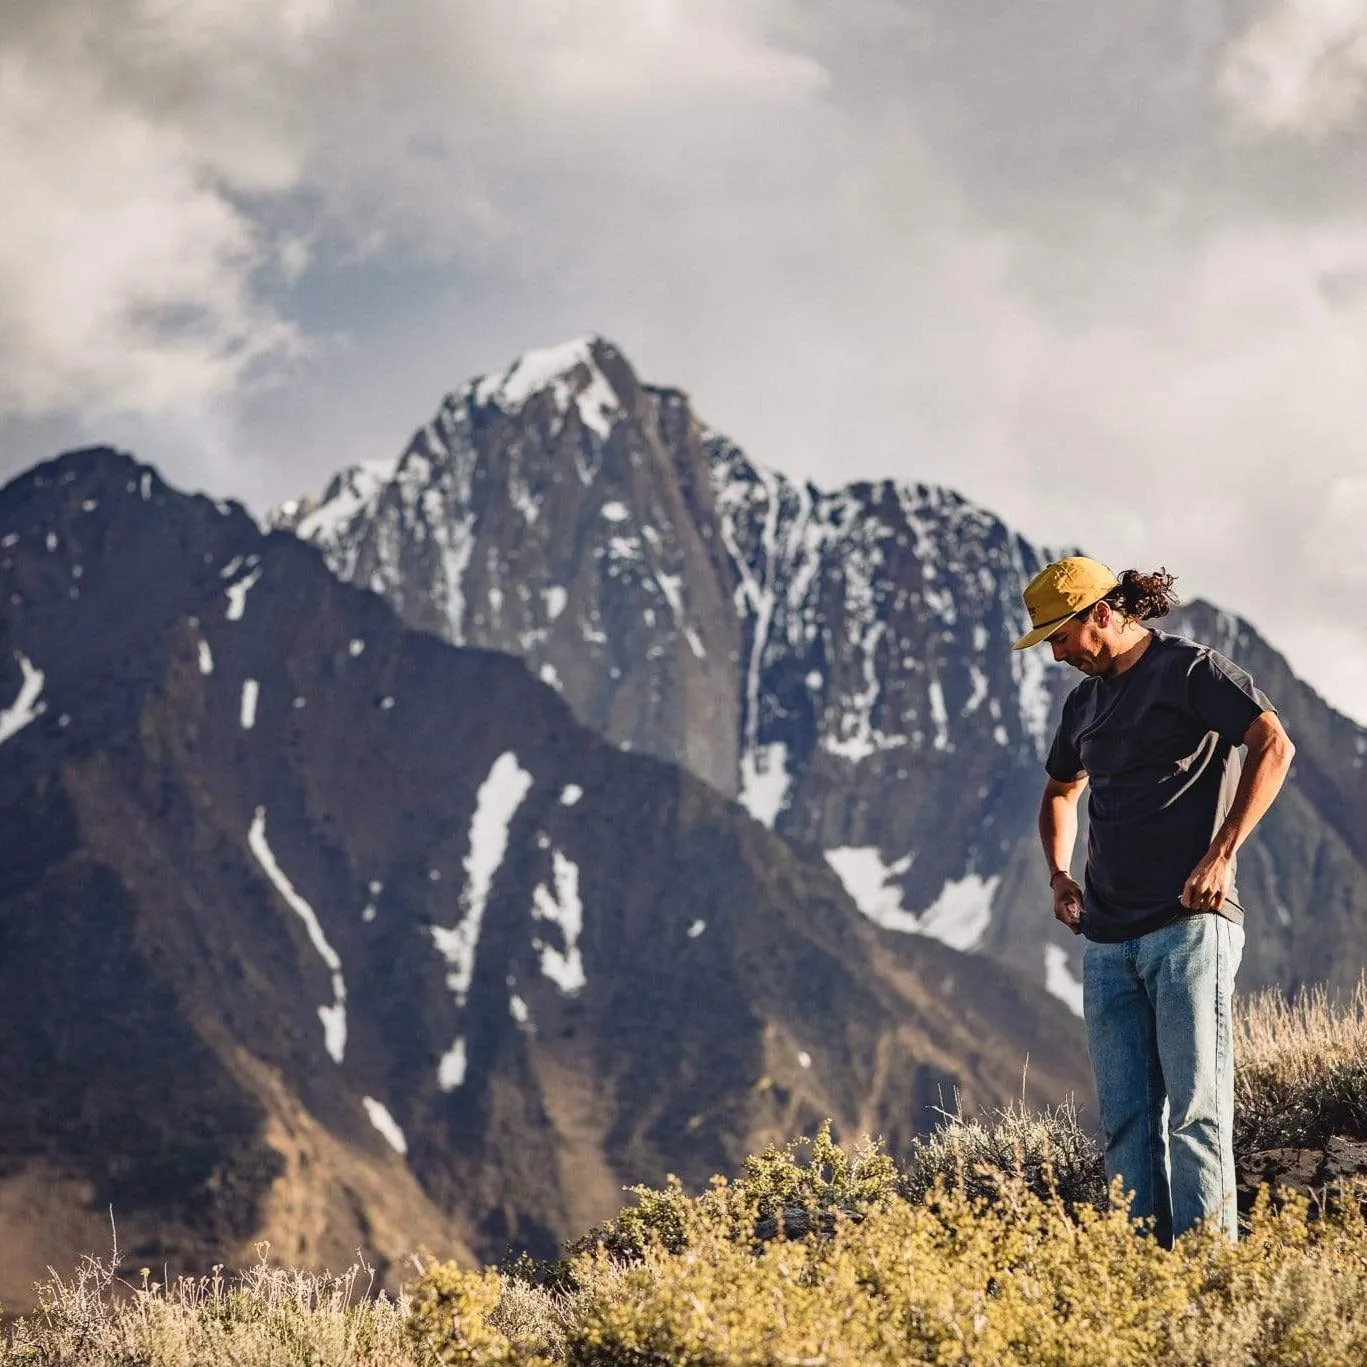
point(774, 1182)
point(1018, 1280)
point(451, 1309)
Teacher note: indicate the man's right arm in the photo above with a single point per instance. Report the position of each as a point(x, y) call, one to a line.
point(1058, 835)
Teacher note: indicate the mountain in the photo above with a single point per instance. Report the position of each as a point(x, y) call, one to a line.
point(838, 660)
point(318, 929)
point(1305, 870)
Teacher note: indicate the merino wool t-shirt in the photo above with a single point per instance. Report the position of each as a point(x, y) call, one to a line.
point(1159, 745)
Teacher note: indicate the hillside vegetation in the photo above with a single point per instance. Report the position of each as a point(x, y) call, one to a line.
point(997, 1244)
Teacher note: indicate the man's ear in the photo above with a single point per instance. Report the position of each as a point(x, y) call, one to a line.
point(1101, 614)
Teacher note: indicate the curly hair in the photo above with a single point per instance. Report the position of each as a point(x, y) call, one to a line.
point(1142, 597)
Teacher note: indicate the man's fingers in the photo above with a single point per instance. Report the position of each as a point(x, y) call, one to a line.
point(1203, 899)
point(1192, 894)
point(1068, 910)
point(1205, 889)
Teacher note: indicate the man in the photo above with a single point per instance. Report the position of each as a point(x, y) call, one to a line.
point(1154, 729)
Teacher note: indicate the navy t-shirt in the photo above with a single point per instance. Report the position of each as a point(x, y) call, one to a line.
point(1159, 745)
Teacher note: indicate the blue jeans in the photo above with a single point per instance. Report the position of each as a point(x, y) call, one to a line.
point(1161, 1040)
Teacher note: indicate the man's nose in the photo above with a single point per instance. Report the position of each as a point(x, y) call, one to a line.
point(1057, 648)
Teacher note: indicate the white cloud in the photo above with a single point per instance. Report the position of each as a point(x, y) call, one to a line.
point(1301, 67)
point(129, 267)
point(1217, 431)
point(170, 166)
point(1008, 247)
point(127, 275)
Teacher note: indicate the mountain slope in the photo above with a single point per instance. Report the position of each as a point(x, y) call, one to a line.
point(546, 512)
point(317, 928)
point(861, 696)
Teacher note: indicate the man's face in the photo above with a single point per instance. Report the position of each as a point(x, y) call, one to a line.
point(1084, 642)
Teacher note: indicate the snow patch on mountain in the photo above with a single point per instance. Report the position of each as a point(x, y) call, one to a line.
point(351, 491)
point(333, 1017)
point(757, 576)
point(250, 692)
point(451, 1068)
point(979, 679)
point(28, 706)
point(1059, 979)
point(869, 881)
point(764, 782)
point(1032, 685)
point(496, 803)
point(386, 1124)
point(569, 371)
point(564, 967)
point(939, 715)
point(958, 917)
point(855, 736)
point(237, 595)
point(671, 587)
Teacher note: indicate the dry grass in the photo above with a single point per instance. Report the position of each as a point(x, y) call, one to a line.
point(1046, 1150)
point(1302, 1069)
point(267, 1317)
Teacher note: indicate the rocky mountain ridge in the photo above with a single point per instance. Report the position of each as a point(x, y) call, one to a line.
point(837, 660)
point(318, 929)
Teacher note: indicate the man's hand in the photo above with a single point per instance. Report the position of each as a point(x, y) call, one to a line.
point(1057, 832)
point(1067, 901)
point(1209, 883)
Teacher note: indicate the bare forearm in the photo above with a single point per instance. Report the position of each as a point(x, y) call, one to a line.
point(1057, 831)
point(1264, 772)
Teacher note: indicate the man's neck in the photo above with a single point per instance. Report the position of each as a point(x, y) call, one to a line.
point(1132, 650)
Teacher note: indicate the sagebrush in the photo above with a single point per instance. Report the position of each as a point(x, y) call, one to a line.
point(997, 1242)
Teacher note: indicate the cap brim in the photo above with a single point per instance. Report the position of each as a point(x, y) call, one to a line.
point(1033, 638)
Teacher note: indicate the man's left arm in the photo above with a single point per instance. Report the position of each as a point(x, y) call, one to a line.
point(1265, 768)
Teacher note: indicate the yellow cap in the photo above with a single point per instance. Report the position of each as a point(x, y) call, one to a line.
point(1059, 592)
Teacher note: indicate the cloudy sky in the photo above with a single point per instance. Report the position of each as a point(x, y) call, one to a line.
point(1102, 267)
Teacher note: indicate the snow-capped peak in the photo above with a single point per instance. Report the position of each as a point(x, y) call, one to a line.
point(347, 493)
point(569, 371)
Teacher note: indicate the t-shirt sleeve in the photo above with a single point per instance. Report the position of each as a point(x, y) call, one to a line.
point(1223, 696)
point(1063, 762)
